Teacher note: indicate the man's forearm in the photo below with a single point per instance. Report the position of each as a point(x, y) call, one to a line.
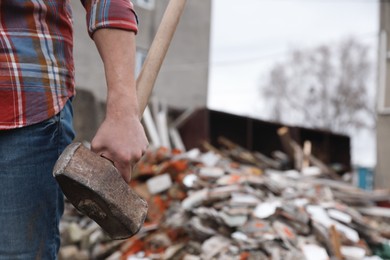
point(121, 137)
point(117, 49)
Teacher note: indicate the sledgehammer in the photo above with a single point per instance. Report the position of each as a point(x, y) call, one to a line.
point(92, 183)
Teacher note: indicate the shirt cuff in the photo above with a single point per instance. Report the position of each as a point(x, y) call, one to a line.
point(114, 14)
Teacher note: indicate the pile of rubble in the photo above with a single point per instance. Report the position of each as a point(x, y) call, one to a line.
point(235, 204)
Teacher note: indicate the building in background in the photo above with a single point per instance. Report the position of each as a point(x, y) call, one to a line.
point(183, 79)
point(382, 173)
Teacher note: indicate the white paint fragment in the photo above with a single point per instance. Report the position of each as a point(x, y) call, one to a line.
point(353, 252)
point(314, 252)
point(194, 199)
point(211, 172)
point(159, 183)
point(266, 209)
point(340, 216)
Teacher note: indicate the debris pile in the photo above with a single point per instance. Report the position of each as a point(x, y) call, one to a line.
point(235, 204)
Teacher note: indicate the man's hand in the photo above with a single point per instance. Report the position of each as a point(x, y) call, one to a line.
point(122, 141)
point(121, 137)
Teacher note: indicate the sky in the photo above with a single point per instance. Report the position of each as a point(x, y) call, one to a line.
point(249, 36)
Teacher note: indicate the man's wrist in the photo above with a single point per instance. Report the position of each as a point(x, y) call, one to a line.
point(122, 104)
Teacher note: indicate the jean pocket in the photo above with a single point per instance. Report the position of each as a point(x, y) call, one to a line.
point(48, 124)
point(67, 133)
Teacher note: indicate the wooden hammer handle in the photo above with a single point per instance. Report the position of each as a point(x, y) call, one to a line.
point(157, 52)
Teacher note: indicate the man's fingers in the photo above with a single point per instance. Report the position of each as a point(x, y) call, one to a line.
point(125, 171)
point(107, 158)
point(98, 148)
point(123, 159)
point(124, 167)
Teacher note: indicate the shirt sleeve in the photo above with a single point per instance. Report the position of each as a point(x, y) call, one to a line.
point(118, 14)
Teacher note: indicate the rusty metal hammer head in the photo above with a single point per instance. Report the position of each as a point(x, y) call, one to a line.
point(95, 187)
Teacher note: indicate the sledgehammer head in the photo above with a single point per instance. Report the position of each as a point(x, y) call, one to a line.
point(95, 187)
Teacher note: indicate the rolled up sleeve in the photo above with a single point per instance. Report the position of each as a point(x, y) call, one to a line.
point(117, 14)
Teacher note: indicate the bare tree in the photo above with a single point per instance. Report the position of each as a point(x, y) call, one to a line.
point(325, 87)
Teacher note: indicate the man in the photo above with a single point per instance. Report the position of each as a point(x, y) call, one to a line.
point(36, 89)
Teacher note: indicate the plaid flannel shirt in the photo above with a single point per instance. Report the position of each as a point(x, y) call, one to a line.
point(36, 60)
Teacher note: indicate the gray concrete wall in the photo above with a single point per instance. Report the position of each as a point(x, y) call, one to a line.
point(385, 25)
point(88, 65)
point(88, 114)
point(182, 81)
point(146, 27)
point(382, 172)
point(183, 78)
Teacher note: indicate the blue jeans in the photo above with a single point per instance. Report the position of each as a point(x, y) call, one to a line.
point(31, 202)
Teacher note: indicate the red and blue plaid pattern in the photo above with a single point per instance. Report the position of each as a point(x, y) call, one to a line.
point(36, 60)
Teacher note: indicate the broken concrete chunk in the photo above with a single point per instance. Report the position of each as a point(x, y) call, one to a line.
point(94, 237)
point(239, 236)
point(319, 214)
point(191, 257)
point(227, 204)
point(211, 172)
point(300, 202)
point(348, 232)
point(192, 154)
point(159, 183)
point(115, 256)
point(311, 171)
point(214, 246)
point(314, 252)
point(244, 199)
point(233, 221)
point(224, 192)
point(293, 174)
point(210, 159)
point(68, 252)
point(238, 210)
point(258, 229)
point(375, 211)
point(256, 181)
point(208, 214)
point(194, 199)
point(339, 215)
point(352, 252)
point(189, 180)
point(266, 209)
point(138, 256)
point(74, 233)
point(200, 228)
point(172, 251)
point(286, 233)
point(294, 213)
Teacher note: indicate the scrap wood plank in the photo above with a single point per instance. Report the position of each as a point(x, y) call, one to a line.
point(293, 149)
point(240, 153)
point(271, 163)
point(306, 154)
point(180, 120)
point(209, 147)
point(285, 139)
point(151, 128)
point(177, 141)
point(375, 211)
point(335, 242)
